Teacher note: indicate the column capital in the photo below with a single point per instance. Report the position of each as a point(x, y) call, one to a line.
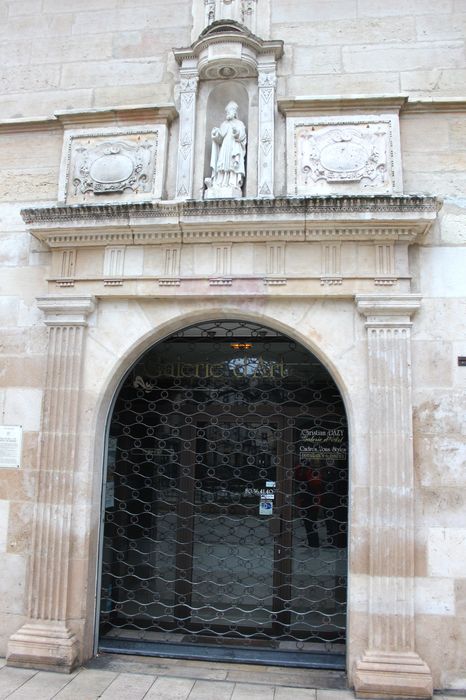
point(189, 79)
point(266, 76)
point(388, 309)
point(66, 311)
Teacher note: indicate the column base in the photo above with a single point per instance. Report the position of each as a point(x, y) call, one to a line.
point(45, 645)
point(392, 675)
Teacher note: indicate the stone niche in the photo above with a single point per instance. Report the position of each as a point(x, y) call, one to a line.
point(226, 64)
point(113, 163)
point(353, 152)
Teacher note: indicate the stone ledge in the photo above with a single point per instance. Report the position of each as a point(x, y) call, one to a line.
point(83, 118)
point(376, 217)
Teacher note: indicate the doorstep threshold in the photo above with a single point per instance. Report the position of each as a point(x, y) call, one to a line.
point(198, 652)
point(210, 670)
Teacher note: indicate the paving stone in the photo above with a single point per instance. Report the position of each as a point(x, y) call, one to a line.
point(288, 692)
point(42, 686)
point(129, 685)
point(160, 667)
point(293, 678)
point(13, 678)
point(87, 685)
point(334, 695)
point(170, 689)
point(212, 690)
point(249, 691)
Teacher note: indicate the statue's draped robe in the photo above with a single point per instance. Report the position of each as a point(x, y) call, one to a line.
point(228, 156)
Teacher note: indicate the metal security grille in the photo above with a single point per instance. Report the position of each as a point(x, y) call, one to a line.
point(226, 495)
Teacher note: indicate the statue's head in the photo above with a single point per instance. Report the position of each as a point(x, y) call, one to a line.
point(231, 110)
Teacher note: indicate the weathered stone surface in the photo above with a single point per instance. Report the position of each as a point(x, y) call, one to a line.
point(379, 8)
point(399, 56)
point(294, 10)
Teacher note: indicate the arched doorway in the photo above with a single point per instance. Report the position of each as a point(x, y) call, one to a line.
point(225, 523)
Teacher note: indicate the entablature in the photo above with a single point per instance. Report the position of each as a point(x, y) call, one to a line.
point(351, 218)
point(291, 246)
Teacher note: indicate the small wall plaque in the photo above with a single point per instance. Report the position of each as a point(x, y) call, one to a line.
point(461, 361)
point(11, 437)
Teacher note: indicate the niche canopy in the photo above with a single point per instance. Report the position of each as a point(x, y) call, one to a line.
point(227, 50)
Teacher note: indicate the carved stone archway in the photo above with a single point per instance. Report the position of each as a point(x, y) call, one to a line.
point(47, 639)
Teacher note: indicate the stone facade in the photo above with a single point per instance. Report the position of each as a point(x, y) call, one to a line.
point(349, 236)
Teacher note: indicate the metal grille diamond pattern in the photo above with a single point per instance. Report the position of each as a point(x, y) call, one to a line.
point(226, 494)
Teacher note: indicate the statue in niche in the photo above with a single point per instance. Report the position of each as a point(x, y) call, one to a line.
point(227, 157)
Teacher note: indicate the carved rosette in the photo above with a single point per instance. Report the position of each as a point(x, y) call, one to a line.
point(46, 641)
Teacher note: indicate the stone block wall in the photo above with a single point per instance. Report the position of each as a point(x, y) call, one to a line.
point(59, 55)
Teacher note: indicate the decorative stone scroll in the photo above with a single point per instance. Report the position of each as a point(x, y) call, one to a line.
point(390, 666)
point(113, 163)
point(46, 640)
point(343, 154)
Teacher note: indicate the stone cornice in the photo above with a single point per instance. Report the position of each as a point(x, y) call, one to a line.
point(388, 309)
point(401, 217)
point(435, 104)
point(293, 106)
point(227, 32)
point(351, 104)
point(119, 116)
point(341, 104)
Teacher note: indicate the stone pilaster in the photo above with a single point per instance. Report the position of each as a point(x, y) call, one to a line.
point(188, 93)
point(390, 666)
point(46, 641)
point(266, 152)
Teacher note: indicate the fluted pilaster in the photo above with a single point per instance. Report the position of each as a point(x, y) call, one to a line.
point(390, 665)
point(45, 641)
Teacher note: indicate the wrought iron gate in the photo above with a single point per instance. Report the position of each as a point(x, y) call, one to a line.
point(226, 496)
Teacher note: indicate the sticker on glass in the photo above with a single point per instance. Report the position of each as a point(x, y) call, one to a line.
point(265, 507)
